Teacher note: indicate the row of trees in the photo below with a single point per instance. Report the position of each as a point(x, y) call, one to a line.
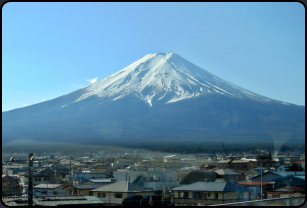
point(172, 147)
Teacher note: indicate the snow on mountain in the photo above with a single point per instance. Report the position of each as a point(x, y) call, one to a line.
point(164, 77)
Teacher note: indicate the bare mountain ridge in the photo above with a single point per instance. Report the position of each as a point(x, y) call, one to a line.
point(160, 96)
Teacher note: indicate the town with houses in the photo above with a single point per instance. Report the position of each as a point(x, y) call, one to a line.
point(140, 178)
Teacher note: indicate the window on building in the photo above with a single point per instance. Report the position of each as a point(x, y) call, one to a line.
point(275, 196)
point(216, 196)
point(244, 166)
point(186, 194)
point(39, 179)
point(101, 194)
point(196, 195)
point(209, 194)
point(70, 192)
point(118, 195)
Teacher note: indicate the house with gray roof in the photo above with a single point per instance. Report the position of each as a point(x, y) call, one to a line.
point(101, 181)
point(48, 189)
point(113, 194)
point(83, 189)
point(254, 172)
point(230, 175)
point(210, 193)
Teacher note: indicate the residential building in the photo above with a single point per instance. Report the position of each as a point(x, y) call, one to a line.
point(113, 194)
point(85, 175)
point(48, 189)
point(266, 177)
point(80, 189)
point(210, 193)
point(102, 181)
point(150, 179)
point(286, 191)
point(238, 165)
point(290, 180)
point(254, 172)
point(10, 185)
point(230, 175)
point(255, 188)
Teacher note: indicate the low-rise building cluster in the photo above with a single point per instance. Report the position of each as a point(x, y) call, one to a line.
point(151, 178)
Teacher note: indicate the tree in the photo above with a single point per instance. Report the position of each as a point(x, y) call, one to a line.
point(127, 201)
point(166, 201)
point(132, 201)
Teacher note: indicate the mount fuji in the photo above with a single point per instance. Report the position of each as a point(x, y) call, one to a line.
point(163, 97)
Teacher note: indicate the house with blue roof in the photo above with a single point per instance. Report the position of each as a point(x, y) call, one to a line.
point(290, 180)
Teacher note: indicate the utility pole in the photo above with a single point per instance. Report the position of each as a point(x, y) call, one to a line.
point(261, 178)
point(70, 169)
point(55, 174)
point(30, 180)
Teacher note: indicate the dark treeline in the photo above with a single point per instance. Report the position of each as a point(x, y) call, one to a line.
point(167, 147)
point(192, 148)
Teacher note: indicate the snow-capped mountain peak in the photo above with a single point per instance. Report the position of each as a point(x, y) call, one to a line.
point(164, 77)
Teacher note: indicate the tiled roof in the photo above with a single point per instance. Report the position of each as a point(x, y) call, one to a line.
point(47, 186)
point(288, 189)
point(101, 180)
point(252, 183)
point(211, 186)
point(122, 186)
point(295, 188)
point(234, 161)
point(52, 200)
point(199, 177)
point(61, 198)
point(227, 172)
point(87, 186)
point(258, 170)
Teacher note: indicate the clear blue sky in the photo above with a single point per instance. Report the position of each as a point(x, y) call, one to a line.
point(52, 49)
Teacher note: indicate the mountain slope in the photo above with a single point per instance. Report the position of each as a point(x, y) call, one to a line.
point(160, 96)
point(167, 77)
